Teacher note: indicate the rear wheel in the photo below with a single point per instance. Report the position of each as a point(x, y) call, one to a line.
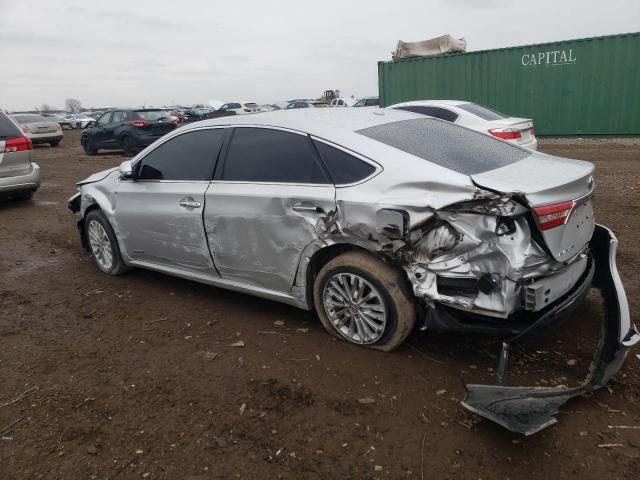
point(362, 300)
point(87, 145)
point(128, 145)
point(103, 244)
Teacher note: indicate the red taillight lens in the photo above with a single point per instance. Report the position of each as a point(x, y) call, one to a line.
point(505, 133)
point(18, 144)
point(532, 132)
point(139, 123)
point(551, 216)
point(248, 110)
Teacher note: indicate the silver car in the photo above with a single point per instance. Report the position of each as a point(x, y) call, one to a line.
point(377, 219)
point(40, 129)
point(19, 174)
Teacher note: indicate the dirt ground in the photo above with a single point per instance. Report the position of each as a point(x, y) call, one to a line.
point(134, 376)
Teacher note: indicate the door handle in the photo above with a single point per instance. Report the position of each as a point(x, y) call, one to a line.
point(298, 207)
point(190, 204)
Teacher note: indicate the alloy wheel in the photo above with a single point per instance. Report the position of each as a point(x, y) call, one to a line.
point(355, 308)
point(100, 245)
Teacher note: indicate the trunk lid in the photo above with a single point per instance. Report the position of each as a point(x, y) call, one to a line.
point(563, 189)
point(13, 161)
point(41, 127)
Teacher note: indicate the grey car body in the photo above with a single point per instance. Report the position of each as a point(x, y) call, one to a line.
point(19, 174)
point(475, 234)
point(40, 129)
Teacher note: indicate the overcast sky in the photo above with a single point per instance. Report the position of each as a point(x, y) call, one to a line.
point(155, 52)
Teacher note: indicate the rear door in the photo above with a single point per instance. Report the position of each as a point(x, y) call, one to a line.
point(14, 160)
point(159, 213)
point(269, 200)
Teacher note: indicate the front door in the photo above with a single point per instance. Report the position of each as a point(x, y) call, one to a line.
point(268, 202)
point(159, 213)
point(98, 131)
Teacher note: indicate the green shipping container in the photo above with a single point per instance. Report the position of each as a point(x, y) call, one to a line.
point(588, 86)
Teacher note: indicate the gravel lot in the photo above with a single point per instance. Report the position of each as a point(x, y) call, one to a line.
point(134, 376)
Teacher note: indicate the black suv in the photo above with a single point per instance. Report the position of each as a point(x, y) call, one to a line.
point(129, 130)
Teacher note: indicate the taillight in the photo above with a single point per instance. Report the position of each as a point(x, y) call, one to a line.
point(532, 132)
point(248, 110)
point(18, 144)
point(505, 133)
point(551, 216)
point(139, 123)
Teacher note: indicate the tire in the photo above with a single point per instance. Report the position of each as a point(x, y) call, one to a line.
point(128, 145)
point(390, 294)
point(24, 195)
point(103, 244)
point(55, 143)
point(88, 147)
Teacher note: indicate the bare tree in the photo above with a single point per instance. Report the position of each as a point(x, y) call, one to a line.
point(45, 107)
point(72, 104)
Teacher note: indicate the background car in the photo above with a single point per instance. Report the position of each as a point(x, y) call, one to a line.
point(79, 120)
point(485, 120)
point(239, 108)
point(19, 174)
point(341, 102)
point(129, 130)
point(305, 104)
point(367, 102)
point(40, 129)
point(63, 122)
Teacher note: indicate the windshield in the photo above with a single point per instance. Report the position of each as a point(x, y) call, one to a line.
point(82, 116)
point(30, 118)
point(152, 115)
point(482, 112)
point(457, 148)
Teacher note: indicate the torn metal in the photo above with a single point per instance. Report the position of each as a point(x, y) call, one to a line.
point(527, 410)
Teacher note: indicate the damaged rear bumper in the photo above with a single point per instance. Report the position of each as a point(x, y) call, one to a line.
point(528, 410)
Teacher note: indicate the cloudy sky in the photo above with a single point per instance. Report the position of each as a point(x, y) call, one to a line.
point(155, 52)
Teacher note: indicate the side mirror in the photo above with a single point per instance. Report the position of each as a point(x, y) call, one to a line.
point(126, 170)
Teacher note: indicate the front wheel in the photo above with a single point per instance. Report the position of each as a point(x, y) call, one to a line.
point(103, 244)
point(128, 145)
point(362, 300)
point(87, 145)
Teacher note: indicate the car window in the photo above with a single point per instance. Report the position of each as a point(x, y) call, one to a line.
point(438, 112)
point(151, 115)
point(266, 155)
point(8, 129)
point(251, 105)
point(451, 146)
point(291, 105)
point(482, 112)
point(30, 118)
point(235, 105)
point(104, 119)
point(359, 103)
point(343, 168)
point(371, 102)
point(117, 117)
point(186, 157)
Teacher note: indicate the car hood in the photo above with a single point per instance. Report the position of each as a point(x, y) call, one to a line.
point(96, 177)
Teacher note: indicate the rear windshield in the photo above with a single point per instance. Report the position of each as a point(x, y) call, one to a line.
point(8, 129)
point(152, 115)
point(30, 118)
point(482, 112)
point(251, 104)
point(448, 145)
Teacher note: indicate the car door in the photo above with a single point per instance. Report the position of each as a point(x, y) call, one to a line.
point(98, 132)
point(110, 140)
point(269, 200)
point(159, 212)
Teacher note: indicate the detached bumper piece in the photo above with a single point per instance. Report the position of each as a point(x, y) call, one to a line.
point(528, 410)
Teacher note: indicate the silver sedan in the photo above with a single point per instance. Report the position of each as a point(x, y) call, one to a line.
point(377, 219)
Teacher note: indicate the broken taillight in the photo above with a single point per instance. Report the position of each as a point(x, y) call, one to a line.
point(551, 216)
point(505, 133)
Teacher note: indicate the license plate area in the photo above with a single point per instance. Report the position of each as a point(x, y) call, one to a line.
point(544, 292)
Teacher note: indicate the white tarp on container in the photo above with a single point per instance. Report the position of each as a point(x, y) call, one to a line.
point(435, 46)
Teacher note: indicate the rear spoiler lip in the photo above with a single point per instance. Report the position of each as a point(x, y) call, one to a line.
point(527, 410)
